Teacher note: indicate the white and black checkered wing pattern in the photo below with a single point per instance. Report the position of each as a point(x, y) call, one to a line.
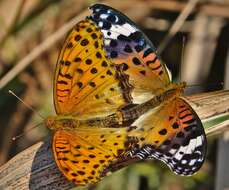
point(173, 134)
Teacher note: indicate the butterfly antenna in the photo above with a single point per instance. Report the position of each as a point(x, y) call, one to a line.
point(26, 131)
point(27, 105)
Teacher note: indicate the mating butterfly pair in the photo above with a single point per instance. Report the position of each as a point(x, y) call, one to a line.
point(115, 103)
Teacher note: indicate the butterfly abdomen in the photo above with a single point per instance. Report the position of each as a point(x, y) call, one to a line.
point(127, 114)
point(138, 110)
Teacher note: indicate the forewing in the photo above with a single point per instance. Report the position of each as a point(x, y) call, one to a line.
point(173, 134)
point(128, 47)
point(83, 155)
point(86, 83)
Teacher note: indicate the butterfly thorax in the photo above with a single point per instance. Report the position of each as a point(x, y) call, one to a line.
point(164, 95)
point(61, 122)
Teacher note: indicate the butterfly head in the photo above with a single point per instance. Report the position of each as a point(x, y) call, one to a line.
point(61, 122)
point(50, 122)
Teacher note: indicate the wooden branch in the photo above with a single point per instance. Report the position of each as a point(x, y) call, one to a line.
point(35, 168)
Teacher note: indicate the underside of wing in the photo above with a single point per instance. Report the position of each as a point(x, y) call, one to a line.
point(86, 82)
point(132, 51)
point(174, 134)
point(83, 155)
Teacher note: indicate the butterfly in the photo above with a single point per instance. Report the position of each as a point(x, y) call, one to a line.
point(116, 106)
point(172, 132)
point(86, 88)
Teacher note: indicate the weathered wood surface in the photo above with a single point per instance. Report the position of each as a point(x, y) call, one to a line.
point(34, 168)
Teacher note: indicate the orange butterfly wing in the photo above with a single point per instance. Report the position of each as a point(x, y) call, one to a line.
point(172, 133)
point(83, 154)
point(86, 83)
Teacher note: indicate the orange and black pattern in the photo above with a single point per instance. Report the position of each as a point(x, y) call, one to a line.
point(84, 153)
point(108, 67)
point(127, 46)
point(172, 133)
point(86, 83)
